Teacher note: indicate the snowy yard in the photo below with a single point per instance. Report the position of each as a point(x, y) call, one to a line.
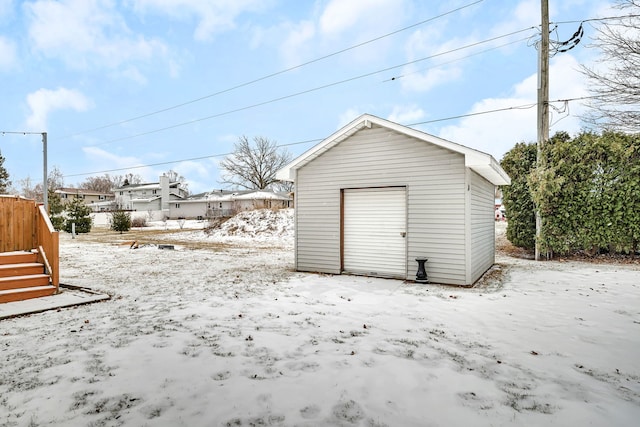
point(230, 335)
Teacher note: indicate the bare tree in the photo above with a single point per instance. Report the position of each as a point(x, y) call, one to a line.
point(129, 179)
point(27, 189)
point(253, 167)
point(102, 184)
point(176, 177)
point(55, 181)
point(616, 87)
point(283, 186)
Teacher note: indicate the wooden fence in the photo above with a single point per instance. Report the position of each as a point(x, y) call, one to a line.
point(24, 226)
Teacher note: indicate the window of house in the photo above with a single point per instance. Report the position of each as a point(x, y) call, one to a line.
point(63, 196)
point(121, 193)
point(155, 191)
point(177, 205)
point(101, 197)
point(220, 205)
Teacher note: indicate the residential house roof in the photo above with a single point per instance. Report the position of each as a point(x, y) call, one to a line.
point(72, 190)
point(482, 163)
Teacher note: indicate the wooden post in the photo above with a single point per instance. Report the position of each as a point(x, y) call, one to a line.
point(543, 108)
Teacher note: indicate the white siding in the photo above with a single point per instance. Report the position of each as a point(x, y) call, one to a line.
point(378, 157)
point(482, 226)
point(187, 209)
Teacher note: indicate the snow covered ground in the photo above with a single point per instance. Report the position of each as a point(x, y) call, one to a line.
point(232, 336)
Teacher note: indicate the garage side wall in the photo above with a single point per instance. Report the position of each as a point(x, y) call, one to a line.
point(482, 226)
point(378, 157)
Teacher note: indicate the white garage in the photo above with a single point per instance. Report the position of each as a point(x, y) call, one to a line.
point(370, 199)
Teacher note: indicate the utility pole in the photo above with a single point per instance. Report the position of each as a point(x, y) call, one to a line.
point(45, 188)
point(543, 107)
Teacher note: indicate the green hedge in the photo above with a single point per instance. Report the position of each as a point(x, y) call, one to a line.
point(588, 193)
point(518, 163)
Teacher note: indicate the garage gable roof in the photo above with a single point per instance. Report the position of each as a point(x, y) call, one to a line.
point(482, 163)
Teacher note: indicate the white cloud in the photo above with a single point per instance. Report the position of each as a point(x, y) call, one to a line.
point(406, 114)
point(330, 27)
point(99, 159)
point(84, 33)
point(192, 167)
point(497, 133)
point(347, 116)
point(415, 80)
point(424, 75)
point(202, 171)
point(297, 37)
point(133, 73)
point(364, 16)
point(8, 57)
point(213, 17)
point(44, 101)
point(98, 155)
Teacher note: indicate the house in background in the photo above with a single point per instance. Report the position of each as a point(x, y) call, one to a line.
point(97, 201)
point(217, 203)
point(376, 195)
point(155, 196)
point(261, 199)
point(223, 203)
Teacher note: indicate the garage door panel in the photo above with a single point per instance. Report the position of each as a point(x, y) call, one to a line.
point(374, 241)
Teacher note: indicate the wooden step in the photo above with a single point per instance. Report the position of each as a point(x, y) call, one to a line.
point(24, 269)
point(29, 281)
point(12, 295)
point(17, 257)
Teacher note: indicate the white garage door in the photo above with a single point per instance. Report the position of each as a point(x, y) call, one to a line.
point(374, 239)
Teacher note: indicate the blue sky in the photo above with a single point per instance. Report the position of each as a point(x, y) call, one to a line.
point(81, 70)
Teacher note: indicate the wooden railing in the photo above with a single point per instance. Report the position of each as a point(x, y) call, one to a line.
point(47, 239)
point(24, 226)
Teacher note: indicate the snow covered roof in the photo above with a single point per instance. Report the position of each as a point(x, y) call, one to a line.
point(482, 163)
point(261, 195)
point(237, 195)
point(146, 186)
point(145, 200)
point(71, 190)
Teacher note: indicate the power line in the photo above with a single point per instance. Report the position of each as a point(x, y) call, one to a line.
point(375, 39)
point(608, 18)
point(182, 160)
point(457, 59)
point(516, 107)
point(292, 95)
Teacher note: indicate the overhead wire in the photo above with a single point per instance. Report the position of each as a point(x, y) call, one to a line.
point(525, 106)
point(317, 88)
point(496, 110)
point(608, 18)
point(457, 59)
point(268, 76)
point(183, 160)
